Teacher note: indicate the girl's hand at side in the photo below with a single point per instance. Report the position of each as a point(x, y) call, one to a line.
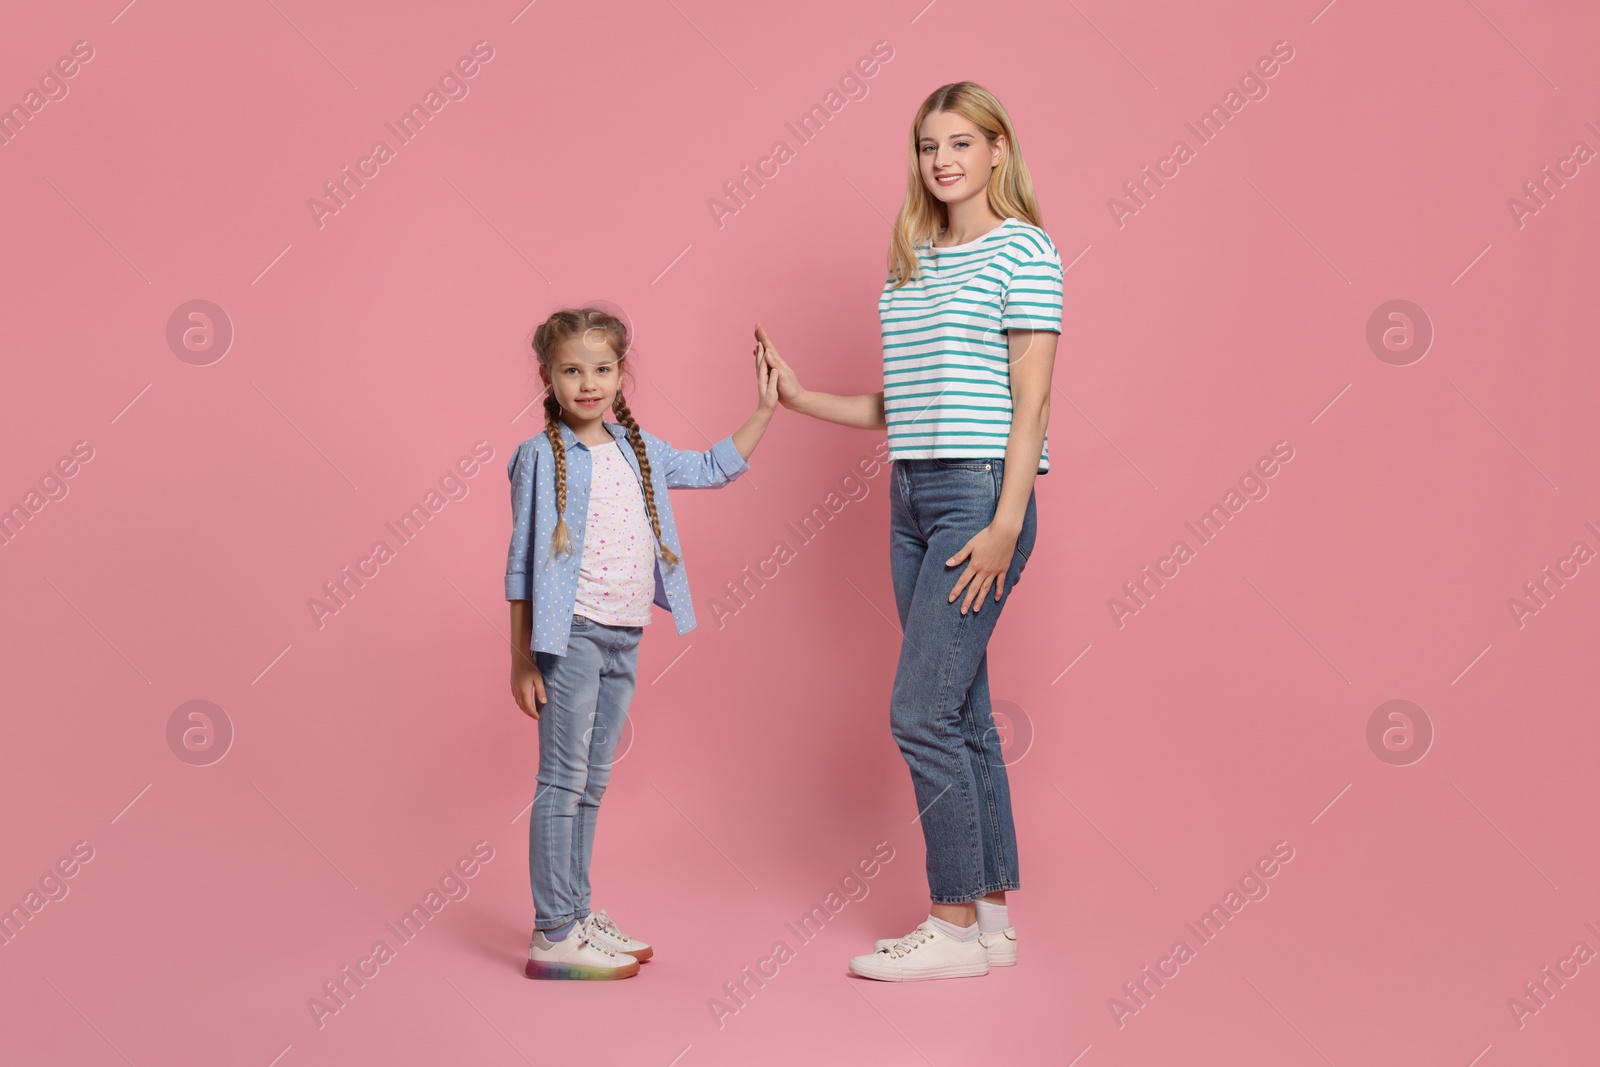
point(527, 687)
point(988, 557)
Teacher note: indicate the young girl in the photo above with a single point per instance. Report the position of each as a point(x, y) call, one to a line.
point(592, 547)
point(970, 315)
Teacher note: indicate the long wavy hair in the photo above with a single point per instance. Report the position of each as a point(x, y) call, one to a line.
point(1010, 186)
point(547, 340)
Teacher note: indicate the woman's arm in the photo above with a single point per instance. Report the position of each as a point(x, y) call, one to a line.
point(863, 411)
point(988, 554)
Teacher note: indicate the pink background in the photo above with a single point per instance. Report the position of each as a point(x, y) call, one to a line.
point(369, 355)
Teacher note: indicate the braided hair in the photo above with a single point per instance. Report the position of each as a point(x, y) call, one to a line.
point(560, 541)
point(547, 339)
point(636, 438)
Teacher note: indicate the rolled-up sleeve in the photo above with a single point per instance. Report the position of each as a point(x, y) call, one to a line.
point(519, 580)
point(689, 469)
point(1033, 295)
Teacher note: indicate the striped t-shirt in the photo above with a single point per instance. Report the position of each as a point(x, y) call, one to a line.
point(946, 365)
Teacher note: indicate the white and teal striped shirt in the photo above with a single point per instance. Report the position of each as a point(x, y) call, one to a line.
point(946, 366)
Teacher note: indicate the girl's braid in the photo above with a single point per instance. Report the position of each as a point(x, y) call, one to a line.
point(560, 542)
point(636, 438)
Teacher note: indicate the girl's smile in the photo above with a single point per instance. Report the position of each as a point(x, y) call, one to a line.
point(583, 377)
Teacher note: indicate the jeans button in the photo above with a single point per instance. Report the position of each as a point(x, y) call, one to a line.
point(988, 467)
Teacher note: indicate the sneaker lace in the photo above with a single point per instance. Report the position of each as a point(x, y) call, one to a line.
point(607, 925)
point(585, 936)
point(910, 942)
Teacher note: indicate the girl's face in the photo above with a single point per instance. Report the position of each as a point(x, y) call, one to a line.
point(956, 160)
point(584, 374)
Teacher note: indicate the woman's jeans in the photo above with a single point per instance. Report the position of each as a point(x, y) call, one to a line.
point(939, 713)
point(589, 690)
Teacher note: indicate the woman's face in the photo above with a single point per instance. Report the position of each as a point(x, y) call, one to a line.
point(956, 160)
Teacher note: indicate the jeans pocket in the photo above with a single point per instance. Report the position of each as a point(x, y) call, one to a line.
point(963, 464)
point(582, 624)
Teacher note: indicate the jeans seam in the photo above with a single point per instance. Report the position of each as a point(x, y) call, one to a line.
point(988, 793)
point(562, 726)
point(944, 692)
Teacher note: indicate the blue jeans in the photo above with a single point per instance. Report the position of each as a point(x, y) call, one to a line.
point(589, 690)
point(939, 712)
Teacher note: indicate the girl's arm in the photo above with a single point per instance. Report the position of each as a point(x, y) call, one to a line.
point(746, 437)
point(863, 411)
point(725, 460)
point(988, 554)
point(527, 684)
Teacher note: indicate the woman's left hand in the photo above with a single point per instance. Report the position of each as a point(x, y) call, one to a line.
point(988, 556)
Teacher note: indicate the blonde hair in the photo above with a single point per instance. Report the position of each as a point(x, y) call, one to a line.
point(1010, 186)
point(561, 326)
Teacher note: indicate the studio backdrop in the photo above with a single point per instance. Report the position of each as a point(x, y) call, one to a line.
point(1296, 693)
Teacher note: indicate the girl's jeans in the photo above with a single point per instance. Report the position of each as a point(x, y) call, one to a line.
point(939, 712)
point(589, 690)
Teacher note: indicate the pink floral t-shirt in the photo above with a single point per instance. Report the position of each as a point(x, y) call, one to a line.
point(617, 572)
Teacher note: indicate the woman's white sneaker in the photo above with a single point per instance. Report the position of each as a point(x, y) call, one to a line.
point(1001, 944)
point(604, 932)
point(924, 953)
point(576, 957)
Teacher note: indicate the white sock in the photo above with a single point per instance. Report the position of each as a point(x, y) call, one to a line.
point(992, 917)
point(954, 932)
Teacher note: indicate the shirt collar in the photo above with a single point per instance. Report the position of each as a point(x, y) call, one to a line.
point(570, 439)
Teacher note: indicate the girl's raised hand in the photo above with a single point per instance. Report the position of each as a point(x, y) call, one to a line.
point(788, 384)
point(766, 382)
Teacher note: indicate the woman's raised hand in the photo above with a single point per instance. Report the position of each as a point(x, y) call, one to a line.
point(788, 385)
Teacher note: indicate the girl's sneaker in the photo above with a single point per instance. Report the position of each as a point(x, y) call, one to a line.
point(1002, 946)
point(603, 931)
point(576, 957)
point(924, 953)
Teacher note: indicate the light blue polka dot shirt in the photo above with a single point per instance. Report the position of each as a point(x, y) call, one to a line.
point(551, 582)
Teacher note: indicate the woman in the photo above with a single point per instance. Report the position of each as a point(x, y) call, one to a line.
point(971, 313)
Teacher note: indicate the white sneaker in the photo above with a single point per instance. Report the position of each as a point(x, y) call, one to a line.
point(603, 931)
point(1002, 946)
point(576, 957)
point(924, 953)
